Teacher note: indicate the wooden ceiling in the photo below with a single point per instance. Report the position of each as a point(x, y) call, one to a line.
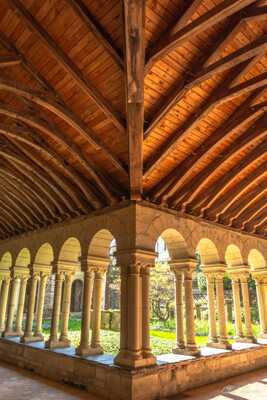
point(107, 100)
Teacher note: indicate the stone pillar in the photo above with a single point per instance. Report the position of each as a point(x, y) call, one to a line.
point(21, 302)
point(3, 303)
point(237, 308)
point(53, 341)
point(84, 348)
point(97, 301)
point(145, 281)
point(40, 308)
point(191, 347)
point(261, 305)
point(223, 339)
point(213, 339)
point(1, 284)
point(133, 352)
point(245, 295)
point(179, 311)
point(66, 310)
point(11, 307)
point(28, 333)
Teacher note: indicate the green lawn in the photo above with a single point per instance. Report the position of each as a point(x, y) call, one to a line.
point(162, 339)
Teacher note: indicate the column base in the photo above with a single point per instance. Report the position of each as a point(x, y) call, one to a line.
point(263, 336)
point(6, 334)
point(187, 351)
point(31, 339)
point(246, 339)
point(57, 344)
point(85, 351)
point(131, 360)
point(223, 344)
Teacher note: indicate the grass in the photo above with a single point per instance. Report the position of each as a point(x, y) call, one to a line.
point(162, 337)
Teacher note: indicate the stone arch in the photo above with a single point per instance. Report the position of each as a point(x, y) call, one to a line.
point(208, 252)
point(175, 243)
point(100, 244)
point(23, 258)
point(44, 255)
point(256, 259)
point(6, 261)
point(70, 253)
point(233, 256)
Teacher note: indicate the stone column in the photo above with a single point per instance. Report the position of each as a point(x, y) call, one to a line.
point(145, 281)
point(179, 310)
point(223, 339)
point(3, 303)
point(237, 308)
point(97, 301)
point(245, 295)
point(191, 347)
point(261, 306)
point(40, 307)
point(28, 333)
point(212, 310)
point(21, 302)
point(132, 263)
point(11, 307)
point(84, 348)
point(53, 341)
point(1, 284)
point(66, 311)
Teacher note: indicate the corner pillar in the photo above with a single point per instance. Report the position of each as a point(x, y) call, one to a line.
point(135, 344)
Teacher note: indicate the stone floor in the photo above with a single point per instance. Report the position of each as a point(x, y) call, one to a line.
point(17, 384)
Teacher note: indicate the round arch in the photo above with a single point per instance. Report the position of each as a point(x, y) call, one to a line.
point(233, 256)
point(6, 261)
point(44, 255)
point(256, 259)
point(208, 252)
point(70, 251)
point(101, 244)
point(175, 244)
point(24, 258)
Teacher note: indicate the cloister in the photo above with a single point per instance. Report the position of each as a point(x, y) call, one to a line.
point(122, 123)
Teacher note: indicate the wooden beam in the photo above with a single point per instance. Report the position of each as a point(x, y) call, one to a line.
point(134, 25)
point(251, 52)
point(59, 55)
point(185, 18)
point(210, 18)
point(9, 61)
point(102, 37)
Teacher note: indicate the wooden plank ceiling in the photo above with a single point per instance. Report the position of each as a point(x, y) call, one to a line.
point(93, 111)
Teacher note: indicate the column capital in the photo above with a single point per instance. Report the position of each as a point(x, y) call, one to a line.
point(136, 256)
point(214, 269)
point(95, 264)
point(186, 265)
point(64, 266)
point(260, 276)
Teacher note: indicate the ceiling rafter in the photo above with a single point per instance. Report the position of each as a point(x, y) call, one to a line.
point(167, 43)
point(13, 209)
point(219, 96)
point(178, 176)
point(102, 37)
point(69, 66)
point(9, 61)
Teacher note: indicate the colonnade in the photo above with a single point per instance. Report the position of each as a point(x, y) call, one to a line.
point(135, 349)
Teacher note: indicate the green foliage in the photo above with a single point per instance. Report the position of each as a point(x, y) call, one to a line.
point(162, 292)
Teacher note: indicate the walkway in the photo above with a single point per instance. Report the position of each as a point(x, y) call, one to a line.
point(16, 384)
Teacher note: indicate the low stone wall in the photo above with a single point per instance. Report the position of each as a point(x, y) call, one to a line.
point(113, 382)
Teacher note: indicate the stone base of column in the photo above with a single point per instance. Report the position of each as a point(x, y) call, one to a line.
point(85, 351)
point(187, 351)
point(133, 360)
point(57, 344)
point(7, 334)
point(263, 335)
point(245, 339)
point(223, 344)
point(31, 339)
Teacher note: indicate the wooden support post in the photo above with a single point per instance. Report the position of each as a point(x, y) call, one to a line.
point(134, 23)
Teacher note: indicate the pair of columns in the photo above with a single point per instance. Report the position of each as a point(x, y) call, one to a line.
point(261, 288)
point(135, 350)
point(18, 287)
point(215, 275)
point(5, 284)
point(94, 273)
point(55, 340)
point(36, 335)
point(185, 335)
point(240, 278)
